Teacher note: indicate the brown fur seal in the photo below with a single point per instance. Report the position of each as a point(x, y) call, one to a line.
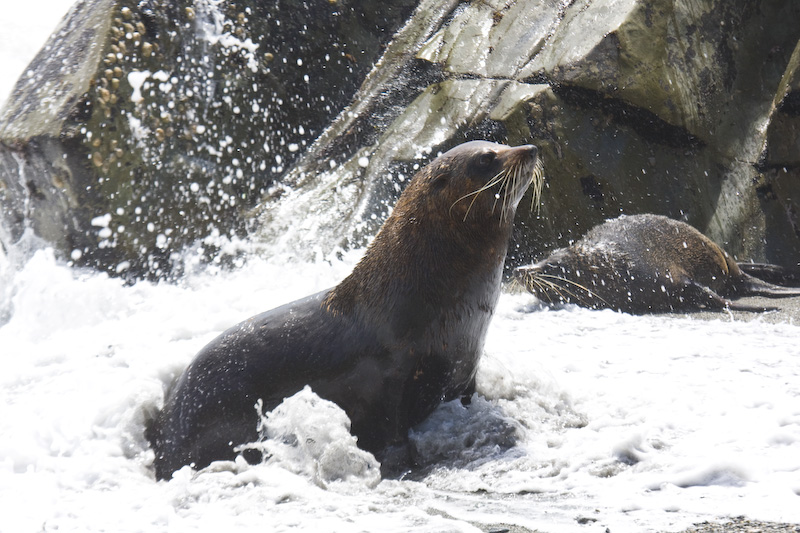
point(402, 333)
point(644, 263)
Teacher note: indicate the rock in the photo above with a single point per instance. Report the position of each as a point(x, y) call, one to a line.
point(696, 86)
point(779, 165)
point(144, 126)
point(741, 524)
point(684, 109)
point(636, 107)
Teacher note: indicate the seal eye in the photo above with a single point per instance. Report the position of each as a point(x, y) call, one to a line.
point(485, 159)
point(440, 183)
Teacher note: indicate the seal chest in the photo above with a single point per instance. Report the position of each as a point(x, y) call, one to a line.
point(402, 333)
point(641, 264)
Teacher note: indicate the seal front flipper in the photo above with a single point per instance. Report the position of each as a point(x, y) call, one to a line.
point(211, 407)
point(694, 295)
point(775, 274)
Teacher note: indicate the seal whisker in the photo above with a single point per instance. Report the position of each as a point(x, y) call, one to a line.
point(548, 286)
point(544, 288)
point(570, 282)
point(516, 183)
point(500, 194)
point(492, 182)
point(520, 179)
point(512, 184)
point(505, 190)
point(537, 182)
point(544, 278)
point(504, 193)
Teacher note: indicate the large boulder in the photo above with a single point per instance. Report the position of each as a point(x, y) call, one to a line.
point(175, 122)
point(144, 126)
point(779, 166)
point(637, 106)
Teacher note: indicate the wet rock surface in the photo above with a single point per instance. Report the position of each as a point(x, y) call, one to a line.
point(143, 127)
point(743, 525)
point(178, 121)
point(737, 525)
point(636, 107)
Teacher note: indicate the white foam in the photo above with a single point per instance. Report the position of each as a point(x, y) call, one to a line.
point(621, 422)
point(136, 80)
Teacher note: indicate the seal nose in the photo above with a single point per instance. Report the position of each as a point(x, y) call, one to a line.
point(533, 151)
point(524, 154)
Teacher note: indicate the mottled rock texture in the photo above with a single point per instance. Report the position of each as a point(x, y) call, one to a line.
point(687, 108)
point(143, 126)
point(682, 108)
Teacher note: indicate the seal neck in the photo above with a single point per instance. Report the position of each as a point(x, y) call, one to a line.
point(416, 272)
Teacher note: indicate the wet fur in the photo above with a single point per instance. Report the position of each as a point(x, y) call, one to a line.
point(641, 264)
point(403, 332)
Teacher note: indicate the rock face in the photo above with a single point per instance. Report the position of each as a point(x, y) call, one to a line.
point(177, 117)
point(143, 126)
point(676, 108)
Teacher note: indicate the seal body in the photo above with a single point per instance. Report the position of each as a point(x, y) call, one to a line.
point(641, 264)
point(402, 333)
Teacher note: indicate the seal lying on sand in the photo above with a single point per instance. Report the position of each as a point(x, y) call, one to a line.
point(644, 263)
point(402, 333)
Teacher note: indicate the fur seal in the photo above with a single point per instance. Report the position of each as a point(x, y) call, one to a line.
point(642, 264)
point(402, 333)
